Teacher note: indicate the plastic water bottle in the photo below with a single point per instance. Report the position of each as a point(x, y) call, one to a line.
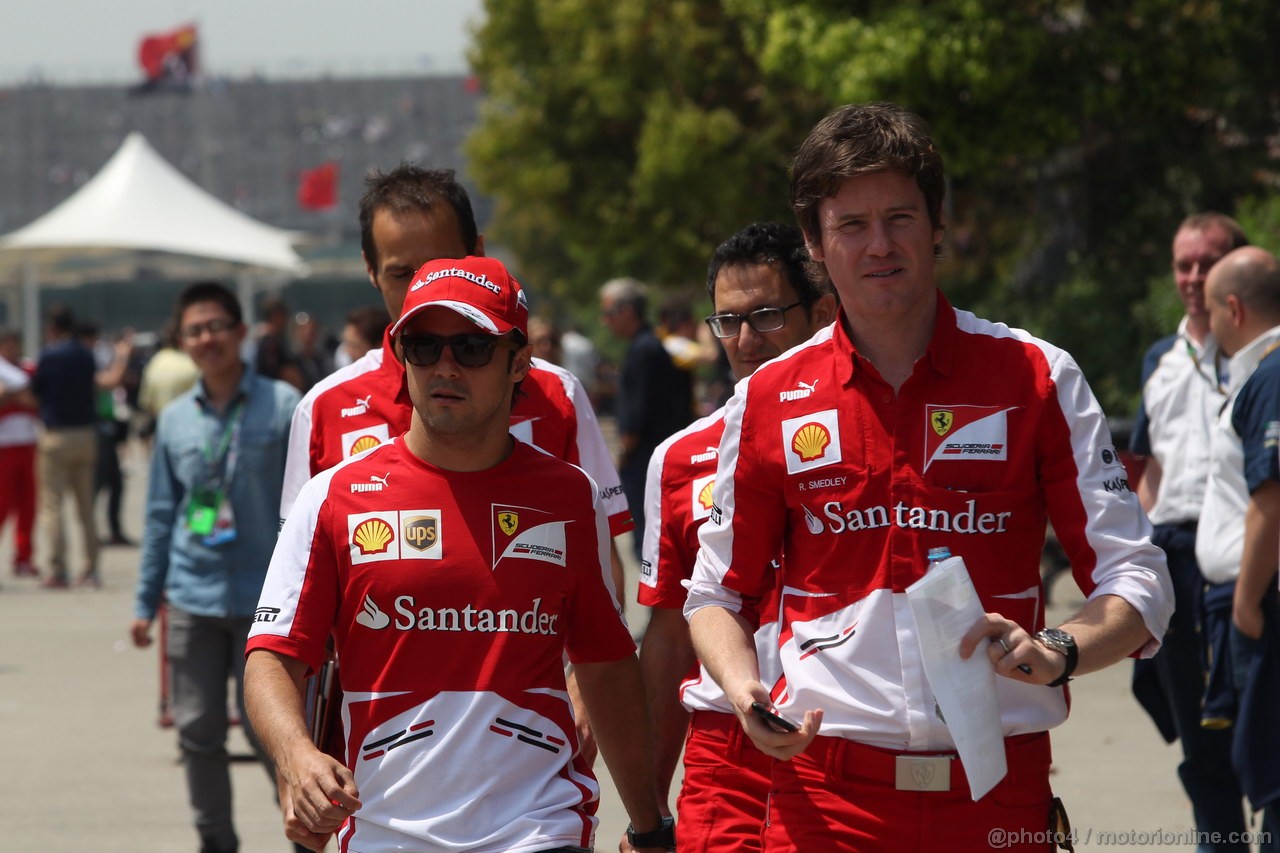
point(937, 555)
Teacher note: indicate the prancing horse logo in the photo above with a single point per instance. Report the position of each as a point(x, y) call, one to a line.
point(941, 421)
point(922, 775)
point(509, 521)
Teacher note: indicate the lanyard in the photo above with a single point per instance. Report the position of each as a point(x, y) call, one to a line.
point(1216, 379)
point(227, 452)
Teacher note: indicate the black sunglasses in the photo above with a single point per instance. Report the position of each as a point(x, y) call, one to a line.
point(761, 319)
point(468, 350)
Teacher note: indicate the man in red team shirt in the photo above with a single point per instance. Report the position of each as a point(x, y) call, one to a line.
point(454, 566)
point(409, 216)
point(923, 427)
point(764, 305)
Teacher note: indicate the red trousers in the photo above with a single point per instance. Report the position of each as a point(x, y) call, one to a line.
point(725, 792)
point(18, 495)
point(840, 796)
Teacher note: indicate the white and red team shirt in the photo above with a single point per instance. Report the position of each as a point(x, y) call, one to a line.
point(993, 434)
point(19, 425)
point(452, 597)
point(367, 403)
point(677, 494)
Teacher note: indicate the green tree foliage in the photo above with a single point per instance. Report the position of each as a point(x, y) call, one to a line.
point(627, 138)
point(631, 137)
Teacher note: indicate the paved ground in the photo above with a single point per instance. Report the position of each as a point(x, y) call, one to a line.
point(88, 768)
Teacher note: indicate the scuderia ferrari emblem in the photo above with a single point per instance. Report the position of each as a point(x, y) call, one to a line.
point(966, 433)
point(539, 537)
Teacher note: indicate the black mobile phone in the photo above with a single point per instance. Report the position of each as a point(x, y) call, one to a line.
point(773, 719)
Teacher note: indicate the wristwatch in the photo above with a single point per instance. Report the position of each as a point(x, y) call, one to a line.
point(664, 836)
point(1063, 643)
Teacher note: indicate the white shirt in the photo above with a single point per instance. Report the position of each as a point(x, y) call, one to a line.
point(17, 427)
point(1220, 537)
point(1181, 400)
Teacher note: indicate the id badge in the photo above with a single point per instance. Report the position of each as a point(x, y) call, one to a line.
point(202, 511)
point(224, 526)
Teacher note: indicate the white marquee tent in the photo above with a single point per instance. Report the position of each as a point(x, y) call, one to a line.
point(138, 201)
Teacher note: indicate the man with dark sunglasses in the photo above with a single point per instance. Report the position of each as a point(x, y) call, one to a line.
point(454, 566)
point(409, 216)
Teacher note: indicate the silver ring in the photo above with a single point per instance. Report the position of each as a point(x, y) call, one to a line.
point(1003, 644)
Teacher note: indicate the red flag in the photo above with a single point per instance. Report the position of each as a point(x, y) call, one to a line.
point(318, 187)
point(169, 57)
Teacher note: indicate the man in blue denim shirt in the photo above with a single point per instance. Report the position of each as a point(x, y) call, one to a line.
point(216, 476)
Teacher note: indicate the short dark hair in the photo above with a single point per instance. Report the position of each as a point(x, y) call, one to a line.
point(860, 139)
point(274, 306)
point(412, 188)
point(1212, 219)
point(61, 320)
point(207, 291)
point(767, 244)
point(370, 323)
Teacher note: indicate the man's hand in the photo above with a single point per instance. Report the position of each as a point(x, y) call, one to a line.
point(294, 829)
point(140, 632)
point(1014, 652)
point(781, 745)
point(322, 791)
point(1247, 616)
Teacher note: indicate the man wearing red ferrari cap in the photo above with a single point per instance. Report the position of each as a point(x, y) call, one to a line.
point(410, 216)
point(454, 566)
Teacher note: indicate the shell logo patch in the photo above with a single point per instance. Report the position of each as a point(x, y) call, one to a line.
point(372, 536)
point(811, 441)
point(700, 496)
point(360, 440)
point(410, 534)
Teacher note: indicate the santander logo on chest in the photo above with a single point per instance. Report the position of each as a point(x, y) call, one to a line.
point(968, 433)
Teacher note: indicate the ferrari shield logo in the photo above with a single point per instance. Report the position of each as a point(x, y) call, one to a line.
point(509, 522)
point(941, 421)
point(922, 774)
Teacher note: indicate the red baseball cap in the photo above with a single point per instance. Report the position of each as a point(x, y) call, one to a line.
point(479, 289)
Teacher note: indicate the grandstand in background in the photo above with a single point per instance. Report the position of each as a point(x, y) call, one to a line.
point(246, 142)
